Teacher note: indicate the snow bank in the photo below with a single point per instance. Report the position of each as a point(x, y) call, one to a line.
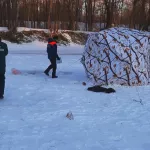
point(118, 56)
point(21, 29)
point(3, 29)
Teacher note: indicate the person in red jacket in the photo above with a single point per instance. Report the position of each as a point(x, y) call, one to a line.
point(52, 56)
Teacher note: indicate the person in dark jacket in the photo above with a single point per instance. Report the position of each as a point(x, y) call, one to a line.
point(3, 53)
point(52, 56)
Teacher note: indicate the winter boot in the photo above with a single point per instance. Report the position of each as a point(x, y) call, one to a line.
point(54, 76)
point(1, 96)
point(46, 73)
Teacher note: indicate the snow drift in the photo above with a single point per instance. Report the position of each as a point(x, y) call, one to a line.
point(118, 56)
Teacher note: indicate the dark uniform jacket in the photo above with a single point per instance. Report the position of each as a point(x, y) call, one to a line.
point(52, 49)
point(3, 53)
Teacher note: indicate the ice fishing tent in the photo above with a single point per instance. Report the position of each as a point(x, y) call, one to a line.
point(118, 56)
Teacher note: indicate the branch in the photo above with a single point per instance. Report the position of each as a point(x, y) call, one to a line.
point(140, 101)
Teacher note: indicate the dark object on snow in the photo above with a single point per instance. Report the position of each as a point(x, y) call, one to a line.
point(52, 56)
point(83, 83)
point(3, 53)
point(70, 115)
point(101, 89)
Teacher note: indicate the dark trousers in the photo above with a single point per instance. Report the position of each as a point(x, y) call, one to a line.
point(2, 84)
point(52, 66)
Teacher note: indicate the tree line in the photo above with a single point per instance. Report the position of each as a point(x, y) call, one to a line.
point(70, 14)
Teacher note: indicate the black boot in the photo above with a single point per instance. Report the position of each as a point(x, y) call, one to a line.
point(1, 97)
point(54, 76)
point(46, 73)
point(47, 70)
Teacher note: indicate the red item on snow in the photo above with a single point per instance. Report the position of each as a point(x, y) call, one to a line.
point(15, 71)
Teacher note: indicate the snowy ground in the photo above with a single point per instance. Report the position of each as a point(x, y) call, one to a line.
point(32, 115)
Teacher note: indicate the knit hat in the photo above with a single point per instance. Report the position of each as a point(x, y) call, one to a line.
point(55, 37)
point(50, 40)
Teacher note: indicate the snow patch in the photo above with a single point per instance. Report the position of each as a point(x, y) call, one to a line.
point(67, 37)
point(3, 29)
point(21, 29)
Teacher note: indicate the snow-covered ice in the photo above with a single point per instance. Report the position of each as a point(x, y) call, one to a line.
point(33, 113)
point(37, 47)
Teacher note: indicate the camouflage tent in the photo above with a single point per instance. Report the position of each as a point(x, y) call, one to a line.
point(118, 56)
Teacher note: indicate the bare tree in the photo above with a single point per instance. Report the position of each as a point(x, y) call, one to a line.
point(66, 14)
